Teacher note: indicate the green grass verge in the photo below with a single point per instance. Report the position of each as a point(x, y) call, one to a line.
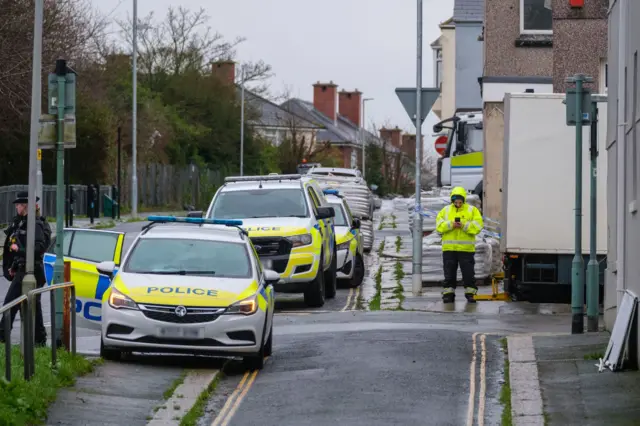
point(398, 291)
point(393, 221)
point(197, 411)
point(505, 391)
point(594, 356)
point(374, 303)
point(104, 225)
point(381, 248)
point(398, 244)
point(26, 402)
point(381, 223)
point(177, 382)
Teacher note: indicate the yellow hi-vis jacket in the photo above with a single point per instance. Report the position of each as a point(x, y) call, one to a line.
point(463, 238)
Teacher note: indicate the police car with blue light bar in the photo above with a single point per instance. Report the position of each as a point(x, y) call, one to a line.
point(181, 291)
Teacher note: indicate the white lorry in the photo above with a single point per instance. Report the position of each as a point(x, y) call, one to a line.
point(463, 159)
point(538, 190)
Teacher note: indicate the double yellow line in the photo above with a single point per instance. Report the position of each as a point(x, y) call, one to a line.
point(482, 394)
point(233, 403)
point(352, 299)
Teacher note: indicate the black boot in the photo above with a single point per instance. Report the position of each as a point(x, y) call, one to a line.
point(470, 298)
point(448, 298)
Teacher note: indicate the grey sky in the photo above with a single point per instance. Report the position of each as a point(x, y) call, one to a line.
point(365, 44)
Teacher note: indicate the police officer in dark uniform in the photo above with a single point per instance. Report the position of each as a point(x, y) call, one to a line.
point(15, 261)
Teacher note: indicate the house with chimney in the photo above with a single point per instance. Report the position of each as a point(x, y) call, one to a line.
point(270, 120)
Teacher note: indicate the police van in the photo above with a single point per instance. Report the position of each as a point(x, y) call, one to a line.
point(291, 225)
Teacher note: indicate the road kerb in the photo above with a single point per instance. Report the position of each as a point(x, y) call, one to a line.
point(526, 397)
point(183, 399)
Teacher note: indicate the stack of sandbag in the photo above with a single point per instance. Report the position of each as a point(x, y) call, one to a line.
point(432, 266)
point(496, 257)
point(366, 227)
point(358, 195)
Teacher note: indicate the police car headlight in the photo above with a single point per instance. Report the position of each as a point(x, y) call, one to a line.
point(246, 306)
point(343, 246)
point(300, 240)
point(117, 300)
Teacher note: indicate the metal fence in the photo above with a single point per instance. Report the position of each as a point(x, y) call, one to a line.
point(159, 185)
point(27, 305)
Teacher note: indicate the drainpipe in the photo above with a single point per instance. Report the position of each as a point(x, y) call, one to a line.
point(620, 142)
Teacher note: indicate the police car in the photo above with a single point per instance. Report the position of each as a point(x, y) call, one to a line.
point(182, 290)
point(350, 249)
point(291, 226)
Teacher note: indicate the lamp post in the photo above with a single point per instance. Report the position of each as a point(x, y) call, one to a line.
point(363, 131)
point(134, 118)
point(241, 120)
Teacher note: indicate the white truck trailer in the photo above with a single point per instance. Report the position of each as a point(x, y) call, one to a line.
point(538, 190)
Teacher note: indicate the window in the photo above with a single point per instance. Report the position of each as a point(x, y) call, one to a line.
point(93, 246)
point(172, 256)
point(535, 17)
point(315, 201)
point(258, 203)
point(604, 76)
point(66, 243)
point(341, 217)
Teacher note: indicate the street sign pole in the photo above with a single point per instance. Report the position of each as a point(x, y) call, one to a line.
point(416, 286)
point(418, 102)
point(29, 281)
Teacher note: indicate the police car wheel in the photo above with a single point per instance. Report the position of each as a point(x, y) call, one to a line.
point(268, 345)
point(330, 278)
point(315, 293)
point(358, 271)
point(109, 354)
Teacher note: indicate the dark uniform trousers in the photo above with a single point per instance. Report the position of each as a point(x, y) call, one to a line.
point(15, 291)
point(467, 262)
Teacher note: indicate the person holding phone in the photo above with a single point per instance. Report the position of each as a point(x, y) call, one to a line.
point(459, 223)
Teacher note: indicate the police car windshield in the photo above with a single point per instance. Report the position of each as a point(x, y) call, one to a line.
point(258, 203)
point(172, 256)
point(340, 219)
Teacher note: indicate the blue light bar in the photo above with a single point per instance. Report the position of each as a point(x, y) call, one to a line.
point(197, 220)
point(331, 192)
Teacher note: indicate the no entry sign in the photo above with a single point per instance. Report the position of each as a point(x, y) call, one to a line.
point(441, 145)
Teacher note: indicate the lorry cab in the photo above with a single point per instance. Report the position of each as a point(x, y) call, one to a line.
point(463, 159)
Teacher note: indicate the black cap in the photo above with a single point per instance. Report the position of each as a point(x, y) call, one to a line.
point(23, 198)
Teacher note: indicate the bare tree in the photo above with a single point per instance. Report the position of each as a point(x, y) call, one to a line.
point(69, 28)
point(183, 41)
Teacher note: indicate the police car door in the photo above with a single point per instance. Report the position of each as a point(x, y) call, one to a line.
point(84, 249)
point(325, 228)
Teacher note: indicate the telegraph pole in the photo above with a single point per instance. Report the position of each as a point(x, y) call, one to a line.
point(593, 268)
point(134, 118)
point(417, 222)
point(242, 121)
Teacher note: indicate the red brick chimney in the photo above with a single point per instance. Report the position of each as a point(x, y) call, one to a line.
point(225, 71)
point(350, 106)
point(409, 146)
point(396, 137)
point(324, 99)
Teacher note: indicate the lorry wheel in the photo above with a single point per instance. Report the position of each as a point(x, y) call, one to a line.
point(315, 293)
point(330, 278)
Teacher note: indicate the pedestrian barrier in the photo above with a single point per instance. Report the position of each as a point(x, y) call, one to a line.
point(27, 314)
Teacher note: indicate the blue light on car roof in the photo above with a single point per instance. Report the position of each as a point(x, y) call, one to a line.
point(331, 192)
point(198, 220)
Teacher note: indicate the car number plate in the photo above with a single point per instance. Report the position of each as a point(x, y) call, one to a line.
point(181, 332)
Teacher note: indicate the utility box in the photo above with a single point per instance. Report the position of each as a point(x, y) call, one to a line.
point(570, 101)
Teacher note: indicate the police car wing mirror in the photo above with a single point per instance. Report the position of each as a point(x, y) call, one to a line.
point(106, 268)
point(356, 223)
point(325, 213)
point(271, 276)
point(195, 213)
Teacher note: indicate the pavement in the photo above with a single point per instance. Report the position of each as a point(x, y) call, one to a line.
point(402, 360)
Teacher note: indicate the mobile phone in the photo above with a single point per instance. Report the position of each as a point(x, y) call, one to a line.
point(457, 219)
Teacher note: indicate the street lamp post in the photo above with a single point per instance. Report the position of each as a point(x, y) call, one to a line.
point(416, 286)
point(363, 131)
point(134, 118)
point(242, 121)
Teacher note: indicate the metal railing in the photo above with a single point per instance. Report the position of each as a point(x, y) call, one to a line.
point(27, 314)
